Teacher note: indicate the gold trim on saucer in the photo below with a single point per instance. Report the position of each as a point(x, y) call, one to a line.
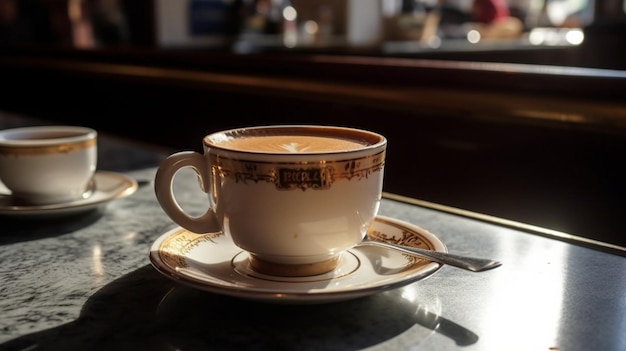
point(173, 249)
point(409, 237)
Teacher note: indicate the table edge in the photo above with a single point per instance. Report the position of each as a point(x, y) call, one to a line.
point(529, 228)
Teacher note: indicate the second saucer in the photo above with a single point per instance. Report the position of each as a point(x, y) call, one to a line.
point(108, 186)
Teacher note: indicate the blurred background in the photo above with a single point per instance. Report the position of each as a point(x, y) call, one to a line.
point(479, 29)
point(510, 108)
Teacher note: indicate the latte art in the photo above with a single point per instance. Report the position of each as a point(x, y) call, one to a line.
point(294, 147)
point(291, 144)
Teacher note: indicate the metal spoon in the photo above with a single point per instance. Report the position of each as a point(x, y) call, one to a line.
point(469, 263)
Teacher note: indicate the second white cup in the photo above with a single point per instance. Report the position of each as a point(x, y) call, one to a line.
point(44, 165)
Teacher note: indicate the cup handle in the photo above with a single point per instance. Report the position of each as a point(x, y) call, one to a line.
point(164, 178)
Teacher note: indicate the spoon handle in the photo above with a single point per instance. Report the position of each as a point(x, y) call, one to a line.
point(469, 263)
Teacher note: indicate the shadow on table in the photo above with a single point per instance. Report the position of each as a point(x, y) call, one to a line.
point(145, 311)
point(26, 228)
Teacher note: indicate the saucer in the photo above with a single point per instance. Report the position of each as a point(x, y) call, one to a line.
point(109, 186)
point(213, 263)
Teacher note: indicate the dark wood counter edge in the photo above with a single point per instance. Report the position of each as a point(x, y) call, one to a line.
point(544, 232)
point(573, 97)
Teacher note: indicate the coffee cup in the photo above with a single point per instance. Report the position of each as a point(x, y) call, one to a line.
point(42, 165)
point(294, 197)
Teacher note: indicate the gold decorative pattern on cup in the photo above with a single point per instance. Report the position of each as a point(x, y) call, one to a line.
point(298, 175)
point(47, 149)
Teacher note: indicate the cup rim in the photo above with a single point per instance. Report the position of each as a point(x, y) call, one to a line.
point(45, 135)
point(371, 139)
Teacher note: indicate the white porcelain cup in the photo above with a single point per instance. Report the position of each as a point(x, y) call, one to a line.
point(43, 165)
point(293, 196)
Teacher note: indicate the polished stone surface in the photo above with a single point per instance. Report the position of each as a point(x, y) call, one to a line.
point(84, 282)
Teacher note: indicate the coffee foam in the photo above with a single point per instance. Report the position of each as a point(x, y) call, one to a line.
point(291, 144)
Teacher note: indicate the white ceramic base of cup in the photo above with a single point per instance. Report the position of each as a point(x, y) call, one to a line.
point(51, 199)
point(293, 270)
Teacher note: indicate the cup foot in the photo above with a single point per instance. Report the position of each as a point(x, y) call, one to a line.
point(293, 270)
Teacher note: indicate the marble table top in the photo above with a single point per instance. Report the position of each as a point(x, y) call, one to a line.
point(84, 282)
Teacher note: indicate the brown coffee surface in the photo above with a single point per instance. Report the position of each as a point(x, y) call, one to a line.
point(291, 144)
